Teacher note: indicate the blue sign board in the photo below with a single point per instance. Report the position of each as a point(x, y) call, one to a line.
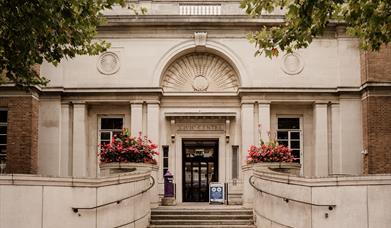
point(216, 192)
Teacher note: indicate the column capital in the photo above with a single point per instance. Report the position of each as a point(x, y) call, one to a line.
point(65, 103)
point(138, 102)
point(264, 102)
point(321, 102)
point(78, 102)
point(247, 103)
point(153, 102)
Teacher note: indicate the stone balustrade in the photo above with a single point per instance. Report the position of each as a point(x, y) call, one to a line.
point(200, 9)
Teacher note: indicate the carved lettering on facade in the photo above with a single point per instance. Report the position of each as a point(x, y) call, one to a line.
point(200, 127)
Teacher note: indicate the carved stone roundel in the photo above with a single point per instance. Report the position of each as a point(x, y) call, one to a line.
point(108, 63)
point(200, 72)
point(200, 83)
point(292, 64)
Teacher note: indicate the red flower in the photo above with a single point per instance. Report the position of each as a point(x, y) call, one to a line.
point(125, 148)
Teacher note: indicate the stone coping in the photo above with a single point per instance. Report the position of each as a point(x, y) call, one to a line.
point(139, 166)
point(37, 180)
point(228, 20)
point(265, 173)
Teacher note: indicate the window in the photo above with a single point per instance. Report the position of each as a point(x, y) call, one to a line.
point(108, 127)
point(235, 162)
point(3, 134)
point(289, 134)
point(165, 159)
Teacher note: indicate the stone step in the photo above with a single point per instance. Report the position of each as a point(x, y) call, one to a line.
point(201, 212)
point(201, 226)
point(201, 217)
point(201, 222)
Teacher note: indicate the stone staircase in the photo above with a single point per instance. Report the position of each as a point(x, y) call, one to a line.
point(202, 217)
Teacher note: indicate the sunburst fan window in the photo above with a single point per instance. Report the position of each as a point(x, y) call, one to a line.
point(200, 72)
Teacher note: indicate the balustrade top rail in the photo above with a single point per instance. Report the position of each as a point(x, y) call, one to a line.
point(286, 199)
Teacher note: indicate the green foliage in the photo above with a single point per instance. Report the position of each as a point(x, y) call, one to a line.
point(32, 31)
point(368, 20)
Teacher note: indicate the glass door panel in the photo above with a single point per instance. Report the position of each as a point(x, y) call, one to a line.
point(199, 169)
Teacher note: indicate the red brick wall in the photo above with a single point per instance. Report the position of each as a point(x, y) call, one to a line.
point(376, 106)
point(376, 66)
point(22, 133)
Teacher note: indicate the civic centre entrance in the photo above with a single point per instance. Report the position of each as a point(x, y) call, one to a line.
point(199, 168)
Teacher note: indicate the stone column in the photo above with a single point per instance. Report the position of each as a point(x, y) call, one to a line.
point(264, 120)
point(65, 140)
point(79, 146)
point(247, 118)
point(153, 122)
point(153, 134)
point(248, 127)
point(136, 118)
point(320, 139)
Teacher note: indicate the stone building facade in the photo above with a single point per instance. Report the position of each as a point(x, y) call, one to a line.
point(186, 76)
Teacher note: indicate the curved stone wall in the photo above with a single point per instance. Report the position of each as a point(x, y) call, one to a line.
point(36, 201)
point(300, 202)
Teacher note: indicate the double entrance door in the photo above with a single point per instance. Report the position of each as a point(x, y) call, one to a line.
point(200, 160)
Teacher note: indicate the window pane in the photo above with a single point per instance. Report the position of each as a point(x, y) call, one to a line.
point(295, 135)
point(165, 162)
point(3, 150)
point(283, 142)
point(165, 151)
point(105, 136)
point(111, 123)
point(3, 116)
point(3, 130)
point(295, 144)
point(288, 123)
point(3, 139)
point(235, 162)
point(296, 154)
point(282, 135)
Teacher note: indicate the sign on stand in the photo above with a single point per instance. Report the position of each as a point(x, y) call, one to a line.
point(216, 192)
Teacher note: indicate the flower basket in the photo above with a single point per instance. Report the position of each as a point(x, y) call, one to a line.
point(128, 149)
point(269, 152)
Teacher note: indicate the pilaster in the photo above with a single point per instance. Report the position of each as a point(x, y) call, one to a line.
point(136, 118)
point(79, 146)
point(264, 120)
point(247, 118)
point(320, 139)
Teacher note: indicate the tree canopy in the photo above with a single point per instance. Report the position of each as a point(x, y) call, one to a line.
point(36, 30)
point(368, 20)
